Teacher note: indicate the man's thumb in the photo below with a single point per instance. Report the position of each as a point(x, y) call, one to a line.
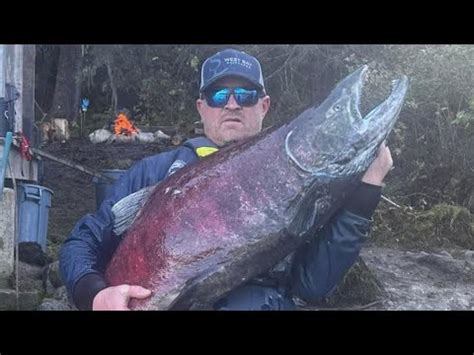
point(138, 292)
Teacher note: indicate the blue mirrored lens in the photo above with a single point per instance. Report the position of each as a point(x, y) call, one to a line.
point(243, 97)
point(220, 97)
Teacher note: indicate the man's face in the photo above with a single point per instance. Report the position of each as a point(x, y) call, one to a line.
point(232, 121)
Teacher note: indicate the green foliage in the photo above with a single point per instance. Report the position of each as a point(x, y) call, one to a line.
point(431, 143)
point(157, 83)
point(438, 142)
point(442, 226)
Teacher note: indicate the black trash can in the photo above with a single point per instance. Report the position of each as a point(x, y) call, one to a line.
point(103, 186)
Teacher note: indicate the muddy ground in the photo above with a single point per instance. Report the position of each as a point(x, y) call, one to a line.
point(74, 190)
point(407, 277)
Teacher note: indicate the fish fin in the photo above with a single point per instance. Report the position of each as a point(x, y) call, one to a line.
point(161, 301)
point(188, 297)
point(126, 210)
point(308, 207)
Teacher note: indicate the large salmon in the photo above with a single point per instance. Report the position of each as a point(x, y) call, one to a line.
point(233, 215)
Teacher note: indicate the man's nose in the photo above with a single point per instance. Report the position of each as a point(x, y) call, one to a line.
point(232, 104)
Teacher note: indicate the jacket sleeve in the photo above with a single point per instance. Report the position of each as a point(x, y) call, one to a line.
point(91, 244)
point(320, 265)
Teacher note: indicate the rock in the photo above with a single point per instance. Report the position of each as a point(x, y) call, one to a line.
point(160, 135)
point(61, 294)
point(57, 301)
point(48, 287)
point(55, 131)
point(146, 137)
point(121, 138)
point(29, 301)
point(52, 278)
point(469, 254)
point(61, 130)
point(47, 132)
point(30, 271)
point(54, 275)
point(423, 280)
point(441, 265)
point(177, 139)
point(31, 253)
point(7, 299)
point(100, 136)
point(26, 300)
point(29, 278)
point(50, 304)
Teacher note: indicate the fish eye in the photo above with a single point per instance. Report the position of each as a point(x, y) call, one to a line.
point(337, 107)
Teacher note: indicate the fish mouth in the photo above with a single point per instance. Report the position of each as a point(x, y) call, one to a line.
point(353, 139)
point(382, 115)
point(371, 130)
point(375, 127)
point(360, 76)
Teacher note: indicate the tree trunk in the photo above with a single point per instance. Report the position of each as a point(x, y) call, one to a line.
point(67, 91)
point(46, 68)
point(113, 87)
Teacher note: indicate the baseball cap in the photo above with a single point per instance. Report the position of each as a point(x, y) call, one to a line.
point(231, 62)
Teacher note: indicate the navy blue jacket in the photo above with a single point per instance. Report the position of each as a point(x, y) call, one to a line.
point(315, 269)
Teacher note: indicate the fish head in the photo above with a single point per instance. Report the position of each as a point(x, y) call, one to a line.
point(333, 139)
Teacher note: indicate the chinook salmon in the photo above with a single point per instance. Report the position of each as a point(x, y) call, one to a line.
point(233, 215)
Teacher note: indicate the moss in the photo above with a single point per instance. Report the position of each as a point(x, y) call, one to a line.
point(442, 226)
point(53, 250)
point(358, 287)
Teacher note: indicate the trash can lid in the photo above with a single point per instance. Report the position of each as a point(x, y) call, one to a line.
point(33, 186)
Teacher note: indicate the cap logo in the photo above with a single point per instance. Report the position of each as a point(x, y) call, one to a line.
point(235, 60)
point(217, 68)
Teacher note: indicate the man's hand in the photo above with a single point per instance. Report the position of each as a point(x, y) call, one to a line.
point(379, 167)
point(116, 298)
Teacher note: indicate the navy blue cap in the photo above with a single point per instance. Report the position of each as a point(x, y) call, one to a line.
point(231, 62)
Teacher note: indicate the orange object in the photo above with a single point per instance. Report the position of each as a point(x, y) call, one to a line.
point(124, 126)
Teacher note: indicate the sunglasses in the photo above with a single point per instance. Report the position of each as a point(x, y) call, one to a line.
point(244, 97)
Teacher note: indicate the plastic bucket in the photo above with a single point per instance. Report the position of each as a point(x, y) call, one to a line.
point(34, 202)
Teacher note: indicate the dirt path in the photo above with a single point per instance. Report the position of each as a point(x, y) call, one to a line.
point(423, 281)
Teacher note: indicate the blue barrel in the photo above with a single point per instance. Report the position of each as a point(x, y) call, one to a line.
point(34, 202)
point(104, 186)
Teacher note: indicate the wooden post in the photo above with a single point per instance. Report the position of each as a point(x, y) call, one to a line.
point(18, 68)
point(14, 76)
point(3, 122)
point(28, 96)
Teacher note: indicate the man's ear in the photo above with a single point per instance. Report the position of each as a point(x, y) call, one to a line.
point(266, 102)
point(199, 105)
